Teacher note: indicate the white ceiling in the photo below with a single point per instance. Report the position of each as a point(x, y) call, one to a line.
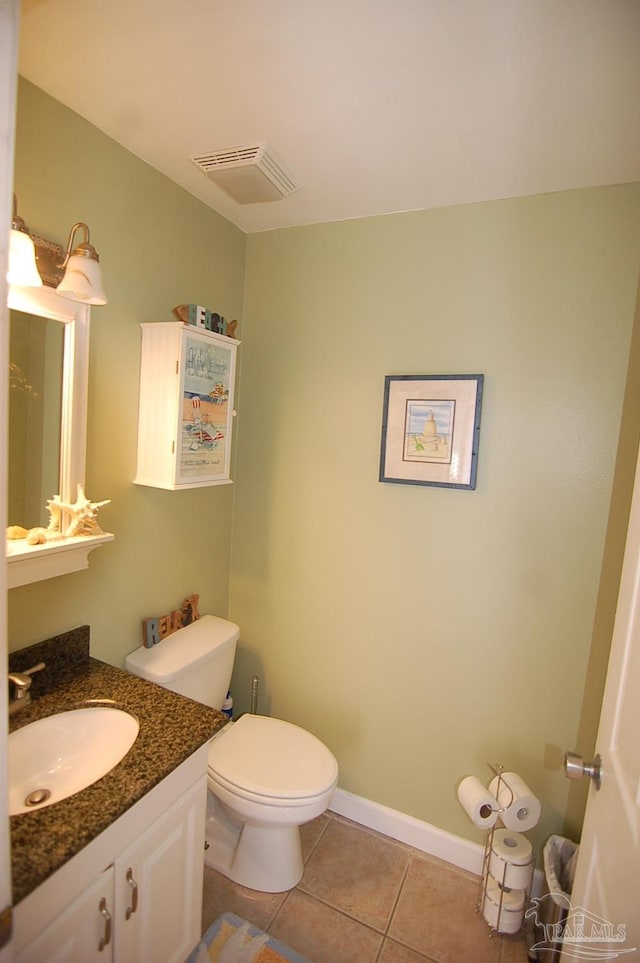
point(375, 106)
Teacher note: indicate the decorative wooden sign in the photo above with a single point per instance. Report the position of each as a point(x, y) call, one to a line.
point(154, 630)
point(201, 317)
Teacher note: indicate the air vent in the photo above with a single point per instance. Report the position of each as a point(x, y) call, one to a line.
point(250, 175)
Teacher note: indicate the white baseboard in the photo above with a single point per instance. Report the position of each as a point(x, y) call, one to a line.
point(414, 832)
point(406, 829)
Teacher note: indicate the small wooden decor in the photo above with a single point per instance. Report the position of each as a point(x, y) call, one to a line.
point(156, 629)
point(181, 313)
point(200, 317)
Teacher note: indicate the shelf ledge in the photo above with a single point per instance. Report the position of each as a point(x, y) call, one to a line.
point(33, 563)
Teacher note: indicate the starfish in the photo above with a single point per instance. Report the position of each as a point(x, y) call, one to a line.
point(83, 514)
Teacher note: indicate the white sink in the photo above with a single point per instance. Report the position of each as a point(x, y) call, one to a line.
point(58, 756)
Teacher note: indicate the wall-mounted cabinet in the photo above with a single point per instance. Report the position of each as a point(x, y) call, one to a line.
point(185, 415)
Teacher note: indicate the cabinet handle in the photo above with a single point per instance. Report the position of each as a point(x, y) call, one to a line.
point(134, 895)
point(106, 939)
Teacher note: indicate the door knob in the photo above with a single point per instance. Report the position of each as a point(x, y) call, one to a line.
point(576, 768)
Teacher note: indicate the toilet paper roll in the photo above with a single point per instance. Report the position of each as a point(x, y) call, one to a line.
point(522, 811)
point(511, 859)
point(505, 916)
point(478, 803)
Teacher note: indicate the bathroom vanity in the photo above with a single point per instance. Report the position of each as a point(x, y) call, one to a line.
point(114, 872)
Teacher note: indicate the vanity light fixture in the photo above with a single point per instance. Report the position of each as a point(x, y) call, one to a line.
point(23, 270)
point(74, 273)
point(82, 280)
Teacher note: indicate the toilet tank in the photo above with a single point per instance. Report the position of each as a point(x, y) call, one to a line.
point(196, 661)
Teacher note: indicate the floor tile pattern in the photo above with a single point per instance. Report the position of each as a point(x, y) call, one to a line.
point(365, 898)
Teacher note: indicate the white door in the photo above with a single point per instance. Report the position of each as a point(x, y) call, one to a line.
point(9, 15)
point(604, 918)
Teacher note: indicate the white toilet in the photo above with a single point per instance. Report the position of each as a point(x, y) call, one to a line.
point(266, 777)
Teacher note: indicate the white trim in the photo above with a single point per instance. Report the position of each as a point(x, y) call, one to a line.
point(9, 28)
point(415, 832)
point(407, 829)
point(32, 563)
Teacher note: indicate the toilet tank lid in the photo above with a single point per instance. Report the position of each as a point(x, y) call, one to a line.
point(184, 649)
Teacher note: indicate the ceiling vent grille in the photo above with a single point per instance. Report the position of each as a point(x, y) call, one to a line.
point(250, 175)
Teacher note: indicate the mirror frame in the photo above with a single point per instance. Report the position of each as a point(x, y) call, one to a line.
point(32, 563)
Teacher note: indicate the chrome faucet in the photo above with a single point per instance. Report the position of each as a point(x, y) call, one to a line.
point(22, 683)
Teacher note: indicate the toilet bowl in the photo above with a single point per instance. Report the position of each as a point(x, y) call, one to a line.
point(266, 777)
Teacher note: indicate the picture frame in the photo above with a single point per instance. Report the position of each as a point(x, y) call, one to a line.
point(431, 430)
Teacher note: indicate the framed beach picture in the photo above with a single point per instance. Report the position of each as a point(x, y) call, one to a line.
point(430, 430)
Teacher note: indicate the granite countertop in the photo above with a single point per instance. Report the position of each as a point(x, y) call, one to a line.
point(172, 728)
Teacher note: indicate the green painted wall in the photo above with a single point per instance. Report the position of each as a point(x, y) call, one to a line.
point(420, 632)
point(423, 632)
point(158, 247)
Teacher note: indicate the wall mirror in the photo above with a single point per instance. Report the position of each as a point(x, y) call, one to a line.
point(48, 375)
point(36, 368)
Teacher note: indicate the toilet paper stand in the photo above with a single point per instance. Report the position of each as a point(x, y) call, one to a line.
point(503, 905)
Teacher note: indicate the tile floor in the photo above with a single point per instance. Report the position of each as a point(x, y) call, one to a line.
point(365, 898)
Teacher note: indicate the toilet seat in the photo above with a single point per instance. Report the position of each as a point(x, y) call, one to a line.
point(270, 761)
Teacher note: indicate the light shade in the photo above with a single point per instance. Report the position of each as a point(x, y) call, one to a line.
point(23, 270)
point(82, 279)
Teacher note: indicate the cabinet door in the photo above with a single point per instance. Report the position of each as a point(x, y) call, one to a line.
point(158, 886)
point(207, 373)
point(82, 934)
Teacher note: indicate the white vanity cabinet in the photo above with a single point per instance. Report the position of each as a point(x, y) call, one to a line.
point(145, 906)
point(185, 412)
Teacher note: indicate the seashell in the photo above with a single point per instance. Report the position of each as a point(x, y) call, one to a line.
point(181, 313)
point(37, 536)
point(16, 531)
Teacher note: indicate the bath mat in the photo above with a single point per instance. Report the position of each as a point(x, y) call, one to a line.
point(232, 940)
